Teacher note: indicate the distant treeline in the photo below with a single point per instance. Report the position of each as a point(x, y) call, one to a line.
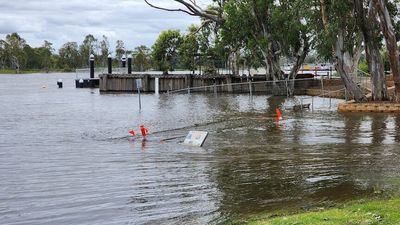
point(171, 51)
point(17, 54)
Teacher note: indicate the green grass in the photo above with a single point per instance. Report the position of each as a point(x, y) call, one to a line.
point(13, 71)
point(373, 212)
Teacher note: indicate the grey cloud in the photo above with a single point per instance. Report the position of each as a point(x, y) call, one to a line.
point(132, 21)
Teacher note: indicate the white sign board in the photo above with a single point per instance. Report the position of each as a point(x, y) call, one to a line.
point(138, 83)
point(195, 138)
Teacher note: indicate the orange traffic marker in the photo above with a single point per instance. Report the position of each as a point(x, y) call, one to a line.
point(278, 114)
point(144, 131)
point(132, 132)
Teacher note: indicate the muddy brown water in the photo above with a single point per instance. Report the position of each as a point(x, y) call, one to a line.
point(65, 155)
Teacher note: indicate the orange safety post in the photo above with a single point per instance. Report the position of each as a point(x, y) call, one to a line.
point(132, 132)
point(143, 130)
point(278, 114)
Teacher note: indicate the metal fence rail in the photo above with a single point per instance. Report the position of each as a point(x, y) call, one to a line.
point(215, 86)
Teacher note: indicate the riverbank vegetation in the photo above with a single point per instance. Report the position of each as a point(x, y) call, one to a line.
point(13, 71)
point(370, 212)
point(240, 35)
point(339, 31)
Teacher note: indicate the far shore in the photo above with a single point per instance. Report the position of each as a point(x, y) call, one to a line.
point(30, 71)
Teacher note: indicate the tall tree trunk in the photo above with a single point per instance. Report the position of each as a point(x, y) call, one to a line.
point(377, 70)
point(345, 62)
point(276, 74)
point(391, 44)
point(301, 56)
point(345, 66)
point(275, 71)
point(366, 23)
point(234, 62)
point(15, 64)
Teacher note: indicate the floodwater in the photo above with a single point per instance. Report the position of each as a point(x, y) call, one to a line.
point(66, 158)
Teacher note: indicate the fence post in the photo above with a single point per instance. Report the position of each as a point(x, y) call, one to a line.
point(312, 103)
point(250, 88)
point(215, 86)
point(322, 86)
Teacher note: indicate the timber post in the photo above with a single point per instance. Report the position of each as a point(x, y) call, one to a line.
point(146, 83)
point(189, 81)
point(229, 83)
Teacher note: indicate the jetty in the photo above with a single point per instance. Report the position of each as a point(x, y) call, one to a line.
point(198, 83)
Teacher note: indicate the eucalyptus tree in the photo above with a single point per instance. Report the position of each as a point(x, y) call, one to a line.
point(119, 50)
point(189, 48)
point(339, 38)
point(142, 58)
point(15, 51)
point(104, 46)
point(276, 28)
point(251, 57)
point(293, 24)
point(3, 54)
point(212, 18)
point(212, 51)
point(368, 24)
point(45, 53)
point(69, 57)
point(190, 7)
point(87, 47)
point(32, 57)
point(165, 50)
point(235, 32)
point(386, 22)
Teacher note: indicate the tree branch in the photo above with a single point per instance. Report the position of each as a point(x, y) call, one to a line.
point(192, 9)
point(170, 10)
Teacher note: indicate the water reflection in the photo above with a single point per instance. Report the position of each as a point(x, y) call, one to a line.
point(397, 129)
point(378, 128)
point(352, 127)
point(273, 167)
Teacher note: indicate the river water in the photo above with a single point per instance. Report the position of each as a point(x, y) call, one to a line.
point(66, 158)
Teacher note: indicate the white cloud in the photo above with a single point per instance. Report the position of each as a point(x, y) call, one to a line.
point(132, 21)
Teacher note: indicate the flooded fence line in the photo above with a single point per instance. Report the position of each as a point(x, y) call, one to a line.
point(199, 83)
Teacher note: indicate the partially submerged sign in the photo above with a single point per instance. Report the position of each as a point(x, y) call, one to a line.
point(138, 83)
point(195, 138)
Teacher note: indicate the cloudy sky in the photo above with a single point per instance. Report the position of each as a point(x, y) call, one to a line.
point(60, 21)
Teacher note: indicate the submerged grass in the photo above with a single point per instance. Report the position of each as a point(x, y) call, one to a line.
point(371, 212)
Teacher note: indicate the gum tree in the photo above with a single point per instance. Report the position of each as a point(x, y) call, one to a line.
point(165, 50)
point(275, 28)
point(338, 38)
point(386, 23)
point(367, 22)
point(119, 50)
point(14, 49)
point(104, 46)
point(142, 58)
point(294, 28)
point(189, 48)
point(69, 56)
point(86, 48)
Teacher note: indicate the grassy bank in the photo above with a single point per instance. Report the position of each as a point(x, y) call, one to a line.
point(13, 71)
point(371, 212)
